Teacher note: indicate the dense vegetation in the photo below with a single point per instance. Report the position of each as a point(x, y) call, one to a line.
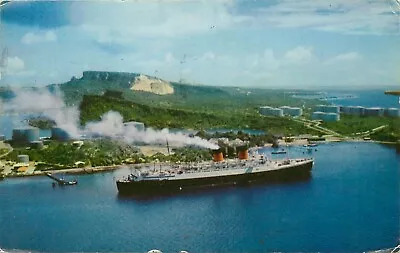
point(200, 98)
point(41, 122)
point(350, 125)
point(92, 107)
point(101, 152)
point(96, 153)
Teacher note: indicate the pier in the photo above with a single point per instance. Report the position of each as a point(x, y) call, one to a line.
point(61, 181)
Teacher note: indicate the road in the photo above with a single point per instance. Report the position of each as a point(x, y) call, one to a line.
point(315, 125)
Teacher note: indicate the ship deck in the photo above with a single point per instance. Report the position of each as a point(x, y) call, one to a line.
point(220, 169)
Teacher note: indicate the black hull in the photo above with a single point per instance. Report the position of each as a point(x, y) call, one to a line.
point(156, 187)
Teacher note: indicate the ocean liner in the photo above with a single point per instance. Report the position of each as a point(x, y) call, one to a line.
point(217, 173)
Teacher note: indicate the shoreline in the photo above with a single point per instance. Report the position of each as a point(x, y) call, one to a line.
point(101, 169)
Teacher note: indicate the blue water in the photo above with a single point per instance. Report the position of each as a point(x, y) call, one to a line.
point(351, 204)
point(369, 98)
point(366, 98)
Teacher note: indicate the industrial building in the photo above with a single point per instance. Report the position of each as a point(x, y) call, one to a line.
point(271, 111)
point(327, 108)
point(25, 135)
point(59, 134)
point(325, 116)
point(138, 125)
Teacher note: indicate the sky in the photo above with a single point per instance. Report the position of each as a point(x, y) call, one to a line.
point(247, 43)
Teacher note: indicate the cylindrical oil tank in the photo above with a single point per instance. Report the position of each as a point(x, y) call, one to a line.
point(285, 109)
point(295, 111)
point(317, 115)
point(319, 108)
point(353, 110)
point(23, 158)
point(138, 125)
point(218, 155)
point(59, 134)
point(329, 117)
point(393, 112)
point(25, 135)
point(264, 110)
point(37, 144)
point(374, 111)
point(243, 152)
point(276, 112)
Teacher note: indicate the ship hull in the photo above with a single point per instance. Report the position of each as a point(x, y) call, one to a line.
point(152, 187)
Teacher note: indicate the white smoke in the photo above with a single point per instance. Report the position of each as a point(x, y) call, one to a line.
point(48, 104)
point(111, 124)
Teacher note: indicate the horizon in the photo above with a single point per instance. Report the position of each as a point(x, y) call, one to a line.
point(229, 43)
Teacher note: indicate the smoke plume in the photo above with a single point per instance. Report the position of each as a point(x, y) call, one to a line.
point(111, 124)
point(48, 104)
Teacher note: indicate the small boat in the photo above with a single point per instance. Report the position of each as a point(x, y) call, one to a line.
point(278, 152)
point(310, 145)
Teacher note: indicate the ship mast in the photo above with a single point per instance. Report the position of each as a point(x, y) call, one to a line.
point(168, 147)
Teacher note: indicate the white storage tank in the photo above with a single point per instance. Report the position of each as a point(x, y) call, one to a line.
point(25, 134)
point(138, 125)
point(319, 108)
point(353, 110)
point(285, 109)
point(392, 112)
point(374, 111)
point(331, 117)
point(59, 134)
point(276, 112)
point(37, 144)
point(317, 115)
point(264, 110)
point(295, 111)
point(23, 159)
point(332, 109)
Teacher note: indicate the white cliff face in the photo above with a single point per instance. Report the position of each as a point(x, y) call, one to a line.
point(157, 86)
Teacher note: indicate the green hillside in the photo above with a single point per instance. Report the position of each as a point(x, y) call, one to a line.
point(92, 107)
point(199, 98)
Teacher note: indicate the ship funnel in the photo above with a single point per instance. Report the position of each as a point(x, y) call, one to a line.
point(243, 152)
point(218, 156)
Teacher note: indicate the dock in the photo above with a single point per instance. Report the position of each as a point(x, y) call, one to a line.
point(61, 181)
